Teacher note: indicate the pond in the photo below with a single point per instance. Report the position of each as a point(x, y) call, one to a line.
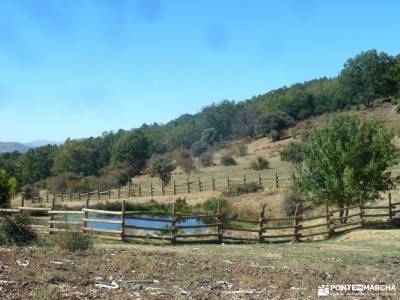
point(130, 220)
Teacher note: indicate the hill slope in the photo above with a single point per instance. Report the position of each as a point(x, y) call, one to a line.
point(13, 146)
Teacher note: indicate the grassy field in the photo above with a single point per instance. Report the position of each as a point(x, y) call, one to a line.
point(124, 271)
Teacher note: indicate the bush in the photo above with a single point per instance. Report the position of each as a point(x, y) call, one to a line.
point(163, 168)
point(290, 200)
point(16, 229)
point(211, 206)
point(206, 159)
point(185, 160)
point(259, 164)
point(242, 150)
point(75, 241)
point(181, 205)
point(228, 160)
point(198, 148)
point(240, 189)
point(275, 135)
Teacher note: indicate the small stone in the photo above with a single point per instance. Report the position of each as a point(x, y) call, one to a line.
point(134, 288)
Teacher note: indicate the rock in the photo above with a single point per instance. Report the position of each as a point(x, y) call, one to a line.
point(134, 288)
point(112, 286)
point(23, 264)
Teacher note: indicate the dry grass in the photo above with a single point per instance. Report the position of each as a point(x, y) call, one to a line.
point(202, 271)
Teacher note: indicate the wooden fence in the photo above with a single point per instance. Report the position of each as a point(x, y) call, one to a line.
point(175, 187)
point(212, 227)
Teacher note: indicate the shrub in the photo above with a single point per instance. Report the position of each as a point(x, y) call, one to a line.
point(75, 241)
point(181, 205)
point(198, 148)
point(163, 168)
point(206, 159)
point(275, 135)
point(211, 205)
point(16, 229)
point(240, 189)
point(295, 153)
point(185, 160)
point(290, 200)
point(228, 160)
point(242, 150)
point(259, 164)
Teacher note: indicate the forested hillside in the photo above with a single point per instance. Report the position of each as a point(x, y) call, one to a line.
point(115, 157)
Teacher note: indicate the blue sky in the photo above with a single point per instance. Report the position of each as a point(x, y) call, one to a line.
point(77, 68)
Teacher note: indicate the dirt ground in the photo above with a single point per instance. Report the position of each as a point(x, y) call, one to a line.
point(133, 271)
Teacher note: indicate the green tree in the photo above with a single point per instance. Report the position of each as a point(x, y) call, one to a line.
point(9, 163)
point(36, 164)
point(294, 153)
point(163, 168)
point(14, 186)
point(132, 149)
point(274, 124)
point(4, 189)
point(367, 77)
point(347, 159)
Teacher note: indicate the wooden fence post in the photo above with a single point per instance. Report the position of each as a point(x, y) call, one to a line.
point(244, 178)
point(140, 190)
point(174, 187)
point(22, 201)
point(361, 211)
point(173, 225)
point(151, 189)
point(129, 189)
point(109, 192)
point(188, 186)
point(390, 208)
point(261, 225)
point(220, 225)
point(98, 192)
point(123, 221)
point(259, 180)
point(47, 197)
point(199, 184)
point(276, 178)
point(329, 228)
point(53, 205)
point(162, 188)
point(88, 193)
point(118, 192)
point(79, 195)
point(228, 182)
point(86, 215)
point(213, 183)
point(297, 227)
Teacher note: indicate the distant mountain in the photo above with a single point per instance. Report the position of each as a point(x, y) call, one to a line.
point(24, 147)
point(40, 143)
point(12, 146)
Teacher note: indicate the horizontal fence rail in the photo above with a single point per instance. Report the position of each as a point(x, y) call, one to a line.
point(175, 187)
point(208, 227)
